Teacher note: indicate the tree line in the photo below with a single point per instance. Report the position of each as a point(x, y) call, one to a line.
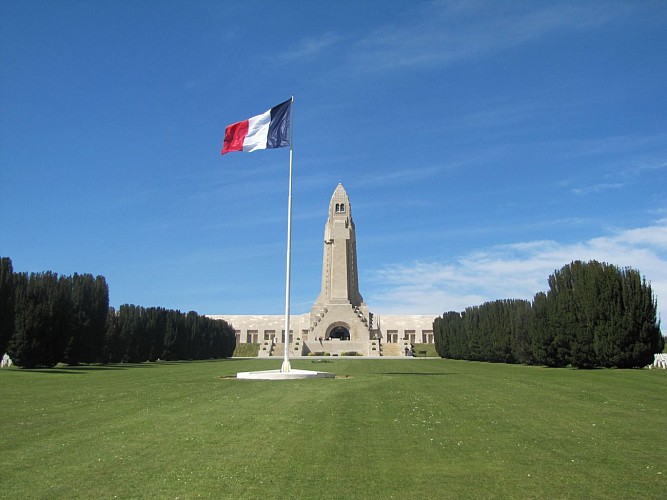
point(135, 334)
point(47, 319)
point(593, 315)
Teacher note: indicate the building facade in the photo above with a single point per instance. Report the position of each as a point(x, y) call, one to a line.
point(340, 321)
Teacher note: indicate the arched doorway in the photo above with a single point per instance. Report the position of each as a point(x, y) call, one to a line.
point(340, 332)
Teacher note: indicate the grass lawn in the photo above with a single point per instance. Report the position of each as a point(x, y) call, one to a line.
point(413, 428)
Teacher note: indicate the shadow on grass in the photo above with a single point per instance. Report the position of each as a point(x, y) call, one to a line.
point(428, 374)
point(82, 369)
point(50, 371)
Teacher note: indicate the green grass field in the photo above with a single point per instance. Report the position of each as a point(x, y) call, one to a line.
point(414, 428)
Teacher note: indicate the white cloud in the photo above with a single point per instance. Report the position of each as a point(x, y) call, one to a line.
point(409, 174)
point(596, 188)
point(447, 31)
point(514, 271)
point(308, 48)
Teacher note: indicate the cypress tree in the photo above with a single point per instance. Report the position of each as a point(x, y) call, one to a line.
point(192, 346)
point(42, 313)
point(634, 335)
point(537, 329)
point(442, 343)
point(131, 332)
point(500, 314)
point(7, 291)
point(473, 333)
point(461, 341)
point(112, 344)
point(90, 303)
point(155, 330)
point(522, 342)
point(599, 315)
point(447, 335)
point(99, 313)
point(583, 312)
point(172, 336)
point(559, 318)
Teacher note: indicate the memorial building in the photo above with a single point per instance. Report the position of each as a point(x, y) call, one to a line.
point(339, 322)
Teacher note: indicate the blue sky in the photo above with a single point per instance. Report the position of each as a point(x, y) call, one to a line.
point(483, 145)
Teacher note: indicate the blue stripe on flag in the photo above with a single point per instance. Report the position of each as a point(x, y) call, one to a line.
point(279, 129)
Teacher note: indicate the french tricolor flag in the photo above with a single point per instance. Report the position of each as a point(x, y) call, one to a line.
point(266, 131)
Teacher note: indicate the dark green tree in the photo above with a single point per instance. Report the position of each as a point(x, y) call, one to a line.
point(628, 332)
point(450, 337)
point(90, 304)
point(6, 303)
point(112, 352)
point(131, 334)
point(597, 315)
point(155, 325)
point(498, 318)
point(522, 342)
point(173, 336)
point(42, 305)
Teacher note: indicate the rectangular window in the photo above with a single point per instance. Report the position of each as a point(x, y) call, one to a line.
point(291, 336)
point(252, 336)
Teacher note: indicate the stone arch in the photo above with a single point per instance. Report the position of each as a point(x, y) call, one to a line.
point(338, 329)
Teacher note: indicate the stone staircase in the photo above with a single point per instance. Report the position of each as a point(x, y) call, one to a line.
point(360, 315)
point(356, 318)
point(265, 349)
point(279, 350)
point(318, 318)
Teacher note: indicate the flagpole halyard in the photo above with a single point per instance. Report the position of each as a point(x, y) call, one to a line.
point(286, 363)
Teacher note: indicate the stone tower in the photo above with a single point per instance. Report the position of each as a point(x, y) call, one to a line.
point(339, 311)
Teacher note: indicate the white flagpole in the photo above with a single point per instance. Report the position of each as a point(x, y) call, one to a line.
point(286, 364)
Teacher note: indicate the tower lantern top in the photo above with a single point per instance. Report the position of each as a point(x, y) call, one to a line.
point(339, 207)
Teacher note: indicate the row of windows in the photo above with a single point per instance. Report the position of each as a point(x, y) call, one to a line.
point(392, 336)
point(426, 336)
point(253, 335)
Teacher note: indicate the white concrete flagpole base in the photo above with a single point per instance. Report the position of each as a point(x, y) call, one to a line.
point(286, 368)
point(280, 375)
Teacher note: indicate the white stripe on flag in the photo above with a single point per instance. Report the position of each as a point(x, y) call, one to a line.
point(258, 131)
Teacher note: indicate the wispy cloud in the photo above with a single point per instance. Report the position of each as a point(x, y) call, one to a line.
point(621, 162)
point(596, 188)
point(448, 31)
point(642, 167)
point(629, 173)
point(514, 271)
point(409, 174)
point(308, 48)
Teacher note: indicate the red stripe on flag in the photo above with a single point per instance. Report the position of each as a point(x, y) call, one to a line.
point(234, 136)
